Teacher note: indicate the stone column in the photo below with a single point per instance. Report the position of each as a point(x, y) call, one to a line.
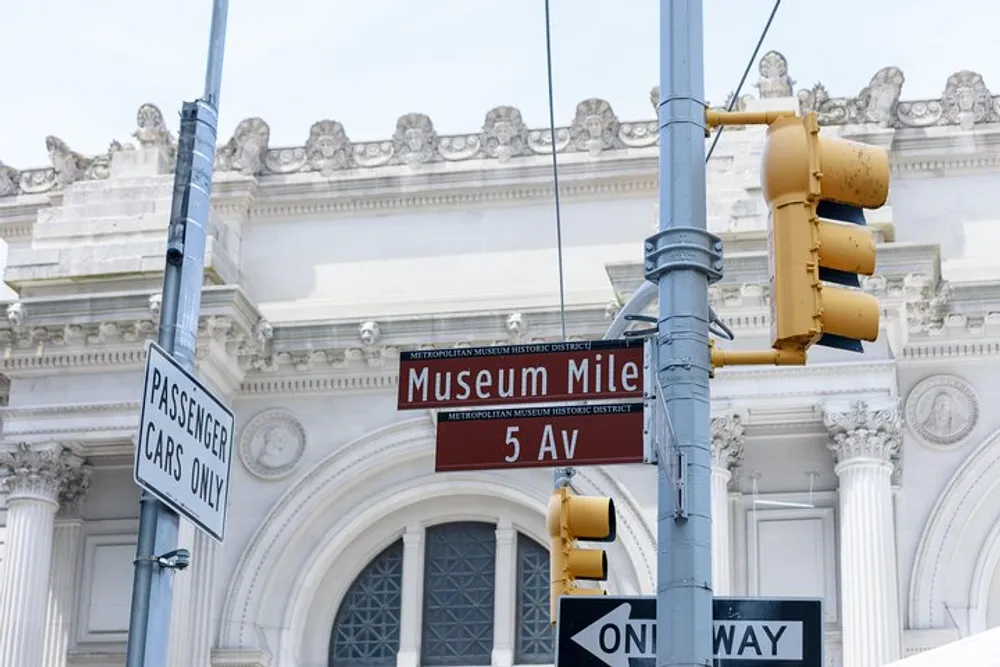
point(36, 478)
point(865, 442)
point(505, 596)
point(727, 452)
point(62, 587)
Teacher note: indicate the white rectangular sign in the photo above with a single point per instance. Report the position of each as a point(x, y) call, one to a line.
point(183, 454)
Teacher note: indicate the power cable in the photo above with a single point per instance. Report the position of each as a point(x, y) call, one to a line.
point(716, 325)
point(555, 170)
point(743, 79)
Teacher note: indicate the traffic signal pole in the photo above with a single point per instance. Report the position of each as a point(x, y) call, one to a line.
point(683, 259)
point(157, 555)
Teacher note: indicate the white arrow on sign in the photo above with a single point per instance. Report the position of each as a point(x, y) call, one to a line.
point(615, 638)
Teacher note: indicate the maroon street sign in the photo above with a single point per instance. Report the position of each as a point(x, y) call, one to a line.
point(521, 374)
point(535, 437)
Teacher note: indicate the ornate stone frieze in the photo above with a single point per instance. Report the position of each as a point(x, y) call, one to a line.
point(965, 102)
point(47, 472)
point(942, 410)
point(865, 432)
point(727, 441)
point(272, 444)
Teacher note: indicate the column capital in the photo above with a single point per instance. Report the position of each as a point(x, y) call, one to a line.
point(865, 432)
point(727, 441)
point(48, 472)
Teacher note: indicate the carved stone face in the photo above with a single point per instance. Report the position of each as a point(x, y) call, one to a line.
point(274, 442)
point(327, 147)
point(966, 99)
point(941, 408)
point(504, 132)
point(369, 333)
point(594, 126)
point(415, 139)
point(15, 313)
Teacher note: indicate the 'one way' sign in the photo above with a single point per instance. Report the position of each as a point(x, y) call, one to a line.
point(747, 632)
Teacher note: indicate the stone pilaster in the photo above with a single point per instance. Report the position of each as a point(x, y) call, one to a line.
point(865, 442)
point(727, 452)
point(181, 608)
point(413, 584)
point(505, 600)
point(37, 479)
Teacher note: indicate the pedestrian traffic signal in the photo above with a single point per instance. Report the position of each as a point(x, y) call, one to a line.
point(572, 518)
point(816, 188)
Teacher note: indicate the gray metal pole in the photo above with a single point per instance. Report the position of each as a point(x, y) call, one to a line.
point(152, 587)
point(683, 257)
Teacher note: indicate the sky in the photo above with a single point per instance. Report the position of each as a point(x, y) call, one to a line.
point(80, 70)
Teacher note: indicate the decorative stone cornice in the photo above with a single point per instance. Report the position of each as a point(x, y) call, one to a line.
point(42, 335)
point(727, 441)
point(863, 432)
point(50, 472)
point(595, 130)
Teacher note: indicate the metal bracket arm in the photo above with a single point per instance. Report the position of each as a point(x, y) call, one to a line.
point(775, 357)
point(715, 118)
point(178, 559)
point(684, 248)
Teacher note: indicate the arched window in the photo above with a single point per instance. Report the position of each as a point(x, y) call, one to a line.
point(366, 631)
point(457, 613)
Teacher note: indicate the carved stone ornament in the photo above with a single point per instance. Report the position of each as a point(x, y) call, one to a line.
point(727, 441)
point(942, 410)
point(774, 81)
point(272, 444)
point(328, 148)
point(245, 152)
point(965, 102)
point(864, 432)
point(516, 327)
point(9, 181)
point(151, 130)
point(595, 127)
point(67, 164)
point(47, 472)
point(415, 140)
point(504, 133)
point(877, 102)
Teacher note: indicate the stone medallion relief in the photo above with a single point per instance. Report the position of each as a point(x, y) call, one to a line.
point(942, 410)
point(272, 444)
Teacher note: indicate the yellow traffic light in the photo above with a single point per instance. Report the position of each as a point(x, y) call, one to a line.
point(815, 188)
point(572, 518)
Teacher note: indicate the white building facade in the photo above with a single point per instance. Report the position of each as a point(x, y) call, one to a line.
point(344, 548)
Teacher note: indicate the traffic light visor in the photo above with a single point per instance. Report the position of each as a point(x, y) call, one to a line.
point(591, 518)
point(853, 173)
point(588, 564)
point(799, 164)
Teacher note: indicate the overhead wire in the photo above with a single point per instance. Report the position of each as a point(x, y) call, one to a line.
point(555, 170)
point(716, 326)
point(743, 79)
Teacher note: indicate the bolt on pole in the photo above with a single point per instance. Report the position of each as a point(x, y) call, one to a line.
point(683, 259)
point(152, 586)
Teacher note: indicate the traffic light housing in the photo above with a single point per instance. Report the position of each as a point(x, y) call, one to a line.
point(816, 189)
point(572, 518)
